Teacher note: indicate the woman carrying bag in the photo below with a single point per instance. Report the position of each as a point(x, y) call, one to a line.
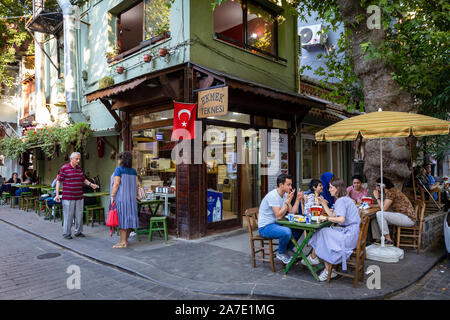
point(124, 186)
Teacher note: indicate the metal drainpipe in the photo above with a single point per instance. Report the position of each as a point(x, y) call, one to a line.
point(70, 15)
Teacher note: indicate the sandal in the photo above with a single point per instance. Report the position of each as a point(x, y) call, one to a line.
point(120, 245)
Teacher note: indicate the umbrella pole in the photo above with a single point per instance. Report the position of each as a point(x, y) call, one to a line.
point(382, 198)
point(412, 168)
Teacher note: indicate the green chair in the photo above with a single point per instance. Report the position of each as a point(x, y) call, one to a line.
point(153, 206)
point(5, 197)
point(39, 205)
point(94, 211)
point(58, 213)
point(24, 200)
point(158, 223)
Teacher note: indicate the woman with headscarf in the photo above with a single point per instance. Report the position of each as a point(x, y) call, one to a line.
point(326, 178)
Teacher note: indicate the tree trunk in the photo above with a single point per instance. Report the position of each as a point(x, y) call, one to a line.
point(380, 91)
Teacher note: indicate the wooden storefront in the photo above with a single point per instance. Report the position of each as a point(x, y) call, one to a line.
point(261, 106)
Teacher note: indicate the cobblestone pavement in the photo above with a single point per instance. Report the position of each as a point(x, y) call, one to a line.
point(433, 286)
point(24, 275)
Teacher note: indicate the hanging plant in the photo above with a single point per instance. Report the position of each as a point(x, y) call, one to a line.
point(12, 147)
point(74, 138)
point(69, 139)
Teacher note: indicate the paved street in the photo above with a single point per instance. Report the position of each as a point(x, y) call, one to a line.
point(434, 286)
point(25, 275)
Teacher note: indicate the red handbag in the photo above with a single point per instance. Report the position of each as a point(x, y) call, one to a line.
point(113, 219)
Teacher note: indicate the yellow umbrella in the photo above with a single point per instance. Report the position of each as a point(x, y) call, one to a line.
point(384, 124)
point(378, 125)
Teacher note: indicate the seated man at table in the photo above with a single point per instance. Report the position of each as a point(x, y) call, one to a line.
point(398, 210)
point(48, 198)
point(273, 207)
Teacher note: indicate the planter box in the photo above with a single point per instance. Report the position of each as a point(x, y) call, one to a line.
point(432, 229)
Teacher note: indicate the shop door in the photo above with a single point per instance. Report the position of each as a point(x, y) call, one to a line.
point(250, 168)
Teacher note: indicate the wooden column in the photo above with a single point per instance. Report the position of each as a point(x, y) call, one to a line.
point(190, 183)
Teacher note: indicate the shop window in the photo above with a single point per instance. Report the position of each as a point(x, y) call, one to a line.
point(151, 117)
point(233, 117)
point(247, 25)
point(279, 124)
point(319, 157)
point(146, 20)
point(152, 149)
point(222, 174)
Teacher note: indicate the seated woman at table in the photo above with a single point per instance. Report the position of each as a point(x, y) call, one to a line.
point(124, 185)
point(398, 210)
point(312, 198)
point(335, 245)
point(326, 179)
point(6, 187)
point(356, 190)
point(14, 178)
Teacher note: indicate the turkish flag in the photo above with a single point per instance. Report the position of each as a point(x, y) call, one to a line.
point(184, 116)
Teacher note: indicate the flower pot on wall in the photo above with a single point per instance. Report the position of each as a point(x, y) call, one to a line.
point(162, 52)
point(147, 57)
point(119, 69)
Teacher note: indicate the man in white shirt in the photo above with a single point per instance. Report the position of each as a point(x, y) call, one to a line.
point(274, 207)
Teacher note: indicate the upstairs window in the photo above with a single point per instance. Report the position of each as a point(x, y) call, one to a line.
point(148, 20)
point(247, 25)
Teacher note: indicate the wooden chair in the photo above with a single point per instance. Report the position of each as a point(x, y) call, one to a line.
point(251, 216)
point(412, 236)
point(430, 204)
point(358, 257)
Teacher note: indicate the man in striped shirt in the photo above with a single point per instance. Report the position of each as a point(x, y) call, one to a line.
point(72, 178)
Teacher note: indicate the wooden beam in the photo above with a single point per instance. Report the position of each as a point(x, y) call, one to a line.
point(109, 144)
point(167, 87)
point(108, 106)
point(152, 125)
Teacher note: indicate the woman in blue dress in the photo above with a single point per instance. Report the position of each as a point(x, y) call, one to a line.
point(335, 245)
point(124, 185)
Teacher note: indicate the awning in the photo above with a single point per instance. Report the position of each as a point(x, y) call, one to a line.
point(260, 89)
point(116, 89)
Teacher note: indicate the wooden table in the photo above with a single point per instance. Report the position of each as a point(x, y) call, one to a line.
point(310, 230)
point(96, 194)
point(370, 212)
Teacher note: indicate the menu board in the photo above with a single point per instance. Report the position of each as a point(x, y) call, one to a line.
point(278, 159)
point(221, 173)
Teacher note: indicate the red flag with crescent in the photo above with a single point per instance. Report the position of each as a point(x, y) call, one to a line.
point(184, 116)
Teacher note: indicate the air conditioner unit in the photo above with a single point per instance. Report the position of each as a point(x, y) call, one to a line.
point(313, 35)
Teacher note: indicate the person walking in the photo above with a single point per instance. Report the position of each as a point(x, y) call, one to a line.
point(124, 185)
point(72, 178)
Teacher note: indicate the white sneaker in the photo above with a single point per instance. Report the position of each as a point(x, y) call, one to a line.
point(311, 261)
point(283, 257)
point(324, 275)
point(132, 234)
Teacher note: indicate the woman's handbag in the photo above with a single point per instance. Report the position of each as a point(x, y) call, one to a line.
point(113, 219)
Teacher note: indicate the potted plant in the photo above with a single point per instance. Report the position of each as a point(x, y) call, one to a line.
point(111, 54)
point(147, 57)
point(119, 69)
point(162, 52)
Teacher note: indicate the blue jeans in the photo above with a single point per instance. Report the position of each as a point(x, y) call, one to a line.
point(283, 234)
point(19, 193)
